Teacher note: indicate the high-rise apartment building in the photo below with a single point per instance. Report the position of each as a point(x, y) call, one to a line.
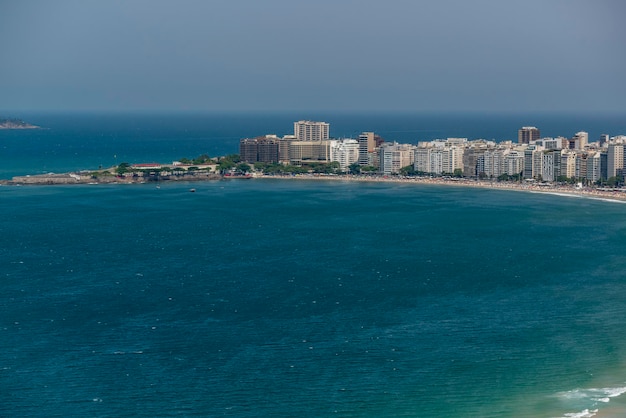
point(514, 163)
point(579, 141)
point(302, 152)
point(262, 149)
point(604, 138)
point(551, 167)
point(614, 160)
point(394, 156)
point(594, 172)
point(527, 134)
point(345, 152)
point(568, 164)
point(307, 130)
point(367, 144)
point(533, 161)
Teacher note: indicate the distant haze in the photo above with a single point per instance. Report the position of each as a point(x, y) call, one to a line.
point(350, 55)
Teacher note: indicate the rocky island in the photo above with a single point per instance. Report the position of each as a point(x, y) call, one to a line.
point(6, 123)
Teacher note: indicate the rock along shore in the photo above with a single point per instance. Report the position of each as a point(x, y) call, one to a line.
point(91, 178)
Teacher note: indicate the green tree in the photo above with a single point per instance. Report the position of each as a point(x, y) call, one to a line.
point(243, 168)
point(273, 168)
point(354, 168)
point(408, 170)
point(123, 168)
point(333, 167)
point(224, 165)
point(612, 181)
point(458, 173)
point(294, 169)
point(233, 157)
point(202, 159)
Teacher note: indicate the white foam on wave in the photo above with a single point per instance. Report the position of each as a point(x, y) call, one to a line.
point(581, 196)
point(593, 396)
point(582, 414)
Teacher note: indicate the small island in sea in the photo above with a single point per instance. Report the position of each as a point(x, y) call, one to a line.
point(11, 123)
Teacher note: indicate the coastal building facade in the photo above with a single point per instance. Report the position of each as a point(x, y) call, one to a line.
point(394, 156)
point(547, 159)
point(307, 130)
point(615, 159)
point(440, 156)
point(345, 152)
point(302, 152)
point(593, 169)
point(579, 141)
point(367, 145)
point(551, 168)
point(527, 134)
point(261, 149)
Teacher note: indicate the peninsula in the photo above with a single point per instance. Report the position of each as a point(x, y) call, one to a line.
point(566, 166)
point(6, 123)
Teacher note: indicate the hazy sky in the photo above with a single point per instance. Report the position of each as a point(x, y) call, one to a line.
point(205, 55)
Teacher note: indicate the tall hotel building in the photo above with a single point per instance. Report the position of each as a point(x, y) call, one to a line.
point(527, 134)
point(306, 130)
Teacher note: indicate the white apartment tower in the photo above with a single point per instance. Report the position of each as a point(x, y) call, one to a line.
point(307, 130)
point(345, 152)
point(421, 160)
point(394, 156)
point(593, 167)
point(514, 163)
point(551, 168)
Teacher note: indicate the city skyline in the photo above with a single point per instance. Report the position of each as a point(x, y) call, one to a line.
point(557, 56)
point(532, 157)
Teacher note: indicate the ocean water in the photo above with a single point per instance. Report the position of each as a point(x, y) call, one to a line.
point(272, 297)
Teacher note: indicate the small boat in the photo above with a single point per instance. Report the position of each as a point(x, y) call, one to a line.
point(192, 190)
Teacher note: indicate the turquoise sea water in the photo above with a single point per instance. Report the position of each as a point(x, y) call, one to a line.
point(310, 298)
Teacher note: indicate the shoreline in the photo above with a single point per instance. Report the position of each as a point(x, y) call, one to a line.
point(54, 179)
point(615, 196)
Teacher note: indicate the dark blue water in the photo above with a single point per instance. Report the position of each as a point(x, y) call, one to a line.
point(307, 298)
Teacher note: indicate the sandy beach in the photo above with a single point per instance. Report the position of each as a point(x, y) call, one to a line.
point(617, 195)
point(612, 195)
